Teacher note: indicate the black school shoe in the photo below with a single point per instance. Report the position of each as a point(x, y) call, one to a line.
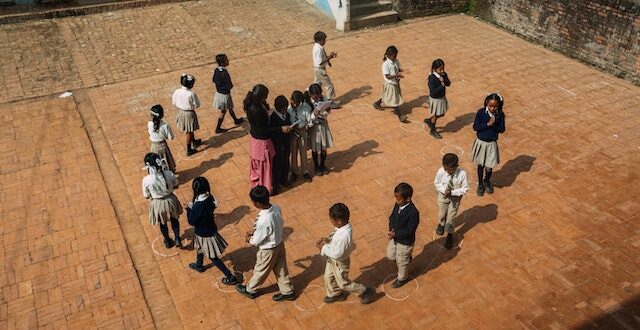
point(243, 290)
point(307, 177)
point(367, 296)
point(435, 134)
point(293, 177)
point(221, 130)
point(324, 170)
point(318, 171)
point(488, 186)
point(397, 283)
point(168, 243)
point(480, 190)
point(282, 297)
point(238, 121)
point(440, 230)
point(341, 297)
point(448, 244)
point(197, 142)
point(178, 242)
point(229, 280)
point(196, 267)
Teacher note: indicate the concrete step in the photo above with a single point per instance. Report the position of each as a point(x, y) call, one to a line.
point(370, 7)
point(376, 19)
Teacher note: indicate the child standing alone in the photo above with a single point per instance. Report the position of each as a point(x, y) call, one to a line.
point(438, 82)
point(391, 74)
point(222, 99)
point(159, 133)
point(337, 248)
point(451, 184)
point(187, 120)
point(489, 122)
point(320, 62)
point(403, 223)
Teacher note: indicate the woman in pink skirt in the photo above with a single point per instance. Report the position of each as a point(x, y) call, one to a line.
point(261, 149)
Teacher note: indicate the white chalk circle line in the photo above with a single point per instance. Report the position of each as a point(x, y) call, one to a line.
point(153, 247)
point(295, 302)
point(413, 279)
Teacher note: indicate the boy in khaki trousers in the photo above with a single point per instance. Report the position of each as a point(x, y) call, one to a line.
point(451, 184)
point(403, 223)
point(271, 256)
point(337, 249)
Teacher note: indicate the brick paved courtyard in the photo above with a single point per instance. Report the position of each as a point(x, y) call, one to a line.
point(555, 246)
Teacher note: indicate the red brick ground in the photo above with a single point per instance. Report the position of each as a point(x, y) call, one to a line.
point(555, 246)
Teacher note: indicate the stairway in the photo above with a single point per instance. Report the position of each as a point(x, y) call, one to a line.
point(367, 13)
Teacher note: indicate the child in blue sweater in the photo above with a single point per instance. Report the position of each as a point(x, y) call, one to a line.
point(488, 124)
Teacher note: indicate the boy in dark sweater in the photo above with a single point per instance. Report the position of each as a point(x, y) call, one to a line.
point(403, 223)
point(281, 142)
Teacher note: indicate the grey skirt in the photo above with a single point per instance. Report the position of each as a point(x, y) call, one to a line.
point(162, 149)
point(187, 121)
point(320, 137)
point(161, 210)
point(391, 96)
point(212, 247)
point(485, 153)
point(438, 106)
point(222, 101)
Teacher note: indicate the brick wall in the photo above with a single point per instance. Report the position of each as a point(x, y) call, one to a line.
point(416, 8)
point(603, 33)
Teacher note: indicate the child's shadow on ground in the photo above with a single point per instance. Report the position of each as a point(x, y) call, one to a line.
point(343, 160)
point(192, 173)
point(221, 139)
point(458, 123)
point(354, 94)
point(506, 176)
point(419, 103)
point(433, 254)
point(313, 267)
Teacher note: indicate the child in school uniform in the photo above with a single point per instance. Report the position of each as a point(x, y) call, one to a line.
point(165, 206)
point(438, 82)
point(320, 62)
point(451, 184)
point(208, 242)
point(320, 136)
point(282, 143)
point(488, 124)
point(187, 120)
point(271, 256)
point(222, 99)
point(300, 112)
point(337, 248)
point(403, 223)
point(391, 74)
point(159, 133)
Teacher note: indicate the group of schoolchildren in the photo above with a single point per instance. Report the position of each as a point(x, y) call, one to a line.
point(296, 125)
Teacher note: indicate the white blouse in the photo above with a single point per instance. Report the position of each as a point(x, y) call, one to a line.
point(164, 132)
point(185, 99)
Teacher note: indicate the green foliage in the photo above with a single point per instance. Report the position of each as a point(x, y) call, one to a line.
point(470, 7)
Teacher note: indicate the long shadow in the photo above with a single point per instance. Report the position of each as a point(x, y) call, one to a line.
point(407, 107)
point(476, 215)
point(313, 267)
point(223, 219)
point(343, 160)
point(192, 173)
point(221, 139)
point(458, 123)
point(507, 174)
point(624, 316)
point(354, 94)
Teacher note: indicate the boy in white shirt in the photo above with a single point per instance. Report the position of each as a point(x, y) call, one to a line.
point(271, 256)
point(337, 248)
point(451, 184)
point(320, 61)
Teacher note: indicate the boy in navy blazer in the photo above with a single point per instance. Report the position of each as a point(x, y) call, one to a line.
point(403, 223)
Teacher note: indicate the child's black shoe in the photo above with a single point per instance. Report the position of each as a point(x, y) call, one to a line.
point(367, 296)
point(489, 186)
point(293, 177)
point(197, 143)
point(307, 177)
point(230, 280)
point(281, 297)
point(238, 121)
point(196, 267)
point(318, 171)
point(168, 243)
point(440, 230)
point(341, 297)
point(435, 134)
point(191, 151)
point(221, 130)
point(480, 191)
point(178, 242)
point(449, 242)
point(243, 290)
point(377, 105)
point(397, 283)
point(324, 170)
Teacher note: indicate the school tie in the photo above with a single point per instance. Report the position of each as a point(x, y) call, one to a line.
point(450, 185)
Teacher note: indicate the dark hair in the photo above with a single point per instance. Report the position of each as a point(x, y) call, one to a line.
point(157, 112)
point(255, 96)
point(299, 97)
point(259, 194)
point(187, 80)
point(339, 211)
point(315, 89)
point(404, 189)
point(436, 64)
point(391, 50)
point(450, 160)
point(319, 36)
point(281, 102)
point(151, 159)
point(200, 185)
point(497, 97)
point(220, 58)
